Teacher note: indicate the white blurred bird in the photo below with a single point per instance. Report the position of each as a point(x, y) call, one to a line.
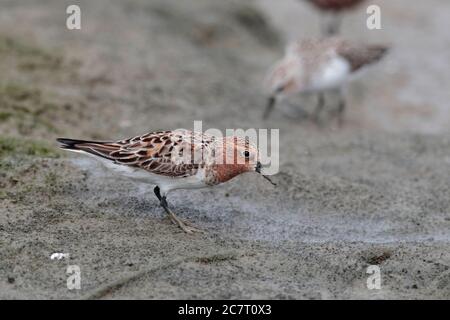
point(318, 66)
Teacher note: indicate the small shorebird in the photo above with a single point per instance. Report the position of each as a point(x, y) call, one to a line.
point(318, 66)
point(179, 159)
point(335, 8)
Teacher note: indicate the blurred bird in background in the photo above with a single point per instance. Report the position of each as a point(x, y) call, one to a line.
point(333, 11)
point(318, 66)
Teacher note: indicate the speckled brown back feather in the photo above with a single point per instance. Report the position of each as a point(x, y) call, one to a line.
point(315, 52)
point(157, 152)
point(362, 55)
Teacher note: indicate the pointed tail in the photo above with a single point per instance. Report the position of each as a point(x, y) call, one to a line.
point(97, 148)
point(72, 144)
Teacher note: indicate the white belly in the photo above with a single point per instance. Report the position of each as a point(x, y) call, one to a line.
point(165, 183)
point(332, 75)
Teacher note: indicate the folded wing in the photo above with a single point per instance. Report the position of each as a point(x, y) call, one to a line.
point(154, 152)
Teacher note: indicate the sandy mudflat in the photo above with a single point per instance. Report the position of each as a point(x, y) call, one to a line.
point(373, 192)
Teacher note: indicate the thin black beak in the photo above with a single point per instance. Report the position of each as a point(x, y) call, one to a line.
point(258, 169)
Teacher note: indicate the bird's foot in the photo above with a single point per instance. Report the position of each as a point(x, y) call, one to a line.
point(185, 225)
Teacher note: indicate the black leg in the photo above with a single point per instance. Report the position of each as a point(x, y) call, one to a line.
point(184, 225)
point(270, 105)
point(157, 193)
point(341, 108)
point(162, 200)
point(334, 26)
point(319, 107)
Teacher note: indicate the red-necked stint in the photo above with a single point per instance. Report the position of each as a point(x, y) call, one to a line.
point(335, 8)
point(179, 159)
point(316, 66)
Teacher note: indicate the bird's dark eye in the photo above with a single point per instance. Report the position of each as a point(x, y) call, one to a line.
point(246, 154)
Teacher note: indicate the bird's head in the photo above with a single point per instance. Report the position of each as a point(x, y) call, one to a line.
point(284, 78)
point(234, 156)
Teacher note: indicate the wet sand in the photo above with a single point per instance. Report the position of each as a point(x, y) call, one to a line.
point(374, 192)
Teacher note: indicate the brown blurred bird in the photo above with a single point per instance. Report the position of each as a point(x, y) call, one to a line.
point(334, 8)
point(317, 66)
point(171, 160)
